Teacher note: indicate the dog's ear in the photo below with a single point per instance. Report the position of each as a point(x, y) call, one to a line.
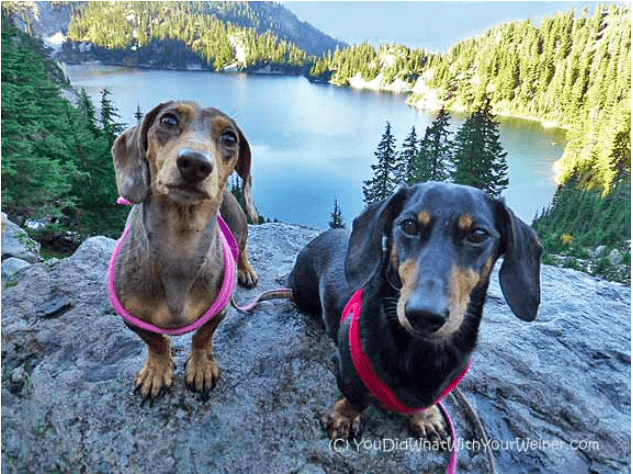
point(519, 275)
point(243, 169)
point(130, 161)
point(365, 248)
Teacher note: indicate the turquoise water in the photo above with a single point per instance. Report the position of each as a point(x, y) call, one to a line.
point(312, 143)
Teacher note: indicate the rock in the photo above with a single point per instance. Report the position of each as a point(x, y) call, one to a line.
point(615, 257)
point(16, 243)
point(599, 252)
point(554, 394)
point(12, 265)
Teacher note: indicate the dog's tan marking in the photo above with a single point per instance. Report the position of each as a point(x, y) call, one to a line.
point(429, 424)
point(465, 221)
point(186, 111)
point(424, 217)
point(221, 125)
point(157, 373)
point(408, 272)
point(246, 274)
point(342, 420)
point(485, 273)
point(395, 258)
point(202, 372)
point(462, 283)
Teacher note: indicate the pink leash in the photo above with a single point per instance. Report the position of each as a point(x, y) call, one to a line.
point(230, 250)
point(379, 388)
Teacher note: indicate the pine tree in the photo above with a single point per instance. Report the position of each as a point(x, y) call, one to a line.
point(87, 108)
point(111, 128)
point(406, 157)
point(384, 182)
point(337, 217)
point(138, 115)
point(432, 161)
point(479, 159)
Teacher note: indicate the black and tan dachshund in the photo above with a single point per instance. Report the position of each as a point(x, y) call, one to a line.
point(423, 258)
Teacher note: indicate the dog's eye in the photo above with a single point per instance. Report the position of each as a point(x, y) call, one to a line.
point(477, 236)
point(410, 227)
point(169, 120)
point(228, 139)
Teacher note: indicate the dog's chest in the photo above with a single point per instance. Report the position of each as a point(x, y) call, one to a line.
point(176, 281)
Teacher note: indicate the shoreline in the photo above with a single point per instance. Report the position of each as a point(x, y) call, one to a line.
point(355, 82)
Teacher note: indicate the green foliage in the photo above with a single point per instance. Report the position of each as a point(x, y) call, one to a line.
point(181, 34)
point(590, 219)
point(337, 221)
point(580, 220)
point(435, 154)
point(572, 71)
point(56, 163)
point(405, 161)
point(479, 159)
point(385, 172)
point(474, 157)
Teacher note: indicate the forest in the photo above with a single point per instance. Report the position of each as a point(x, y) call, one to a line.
point(571, 70)
point(180, 35)
point(56, 162)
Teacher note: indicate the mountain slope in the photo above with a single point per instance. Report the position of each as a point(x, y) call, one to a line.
point(266, 18)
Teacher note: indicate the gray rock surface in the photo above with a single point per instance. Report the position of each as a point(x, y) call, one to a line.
point(12, 265)
point(615, 257)
point(553, 394)
point(17, 244)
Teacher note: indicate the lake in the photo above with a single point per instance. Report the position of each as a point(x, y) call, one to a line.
point(312, 143)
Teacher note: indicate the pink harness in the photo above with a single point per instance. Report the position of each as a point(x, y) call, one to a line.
point(230, 250)
point(375, 384)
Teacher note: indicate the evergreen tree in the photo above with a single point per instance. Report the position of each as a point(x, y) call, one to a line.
point(138, 115)
point(432, 161)
point(87, 108)
point(337, 217)
point(56, 162)
point(479, 159)
point(384, 182)
point(108, 115)
point(405, 161)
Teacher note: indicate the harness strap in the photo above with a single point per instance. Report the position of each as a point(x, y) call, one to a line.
point(230, 251)
point(378, 387)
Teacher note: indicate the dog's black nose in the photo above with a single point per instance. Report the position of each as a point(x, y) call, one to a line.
point(193, 165)
point(426, 318)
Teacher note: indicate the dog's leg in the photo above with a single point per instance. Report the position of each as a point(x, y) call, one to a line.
point(156, 376)
point(429, 424)
point(342, 421)
point(246, 274)
point(202, 372)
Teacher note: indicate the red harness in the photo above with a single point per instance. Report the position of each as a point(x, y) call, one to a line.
point(377, 386)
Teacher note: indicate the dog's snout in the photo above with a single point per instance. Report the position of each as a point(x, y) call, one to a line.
point(427, 309)
point(194, 166)
point(426, 319)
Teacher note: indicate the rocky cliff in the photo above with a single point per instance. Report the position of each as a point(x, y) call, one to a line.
point(554, 394)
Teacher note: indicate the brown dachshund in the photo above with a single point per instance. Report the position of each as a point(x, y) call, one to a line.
point(175, 166)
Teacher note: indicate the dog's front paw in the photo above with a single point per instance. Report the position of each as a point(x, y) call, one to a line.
point(201, 374)
point(156, 377)
point(342, 421)
point(246, 274)
point(247, 278)
point(429, 424)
